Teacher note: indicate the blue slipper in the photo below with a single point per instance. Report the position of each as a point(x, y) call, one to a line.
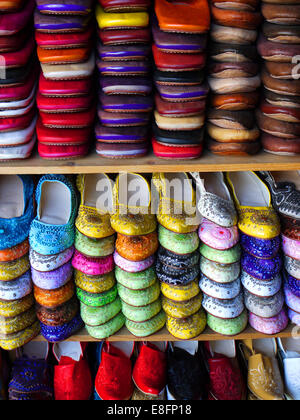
point(53, 229)
point(18, 191)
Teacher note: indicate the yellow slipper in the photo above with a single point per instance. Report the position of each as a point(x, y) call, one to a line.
point(12, 269)
point(177, 202)
point(253, 202)
point(132, 197)
point(93, 219)
point(121, 20)
point(180, 293)
point(187, 328)
point(264, 379)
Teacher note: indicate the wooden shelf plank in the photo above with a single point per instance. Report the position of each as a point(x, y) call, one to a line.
point(164, 335)
point(95, 164)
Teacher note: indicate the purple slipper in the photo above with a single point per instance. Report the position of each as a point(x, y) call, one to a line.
point(117, 119)
point(262, 269)
point(122, 151)
point(123, 68)
point(126, 103)
point(121, 135)
point(178, 43)
point(126, 85)
point(126, 53)
point(183, 93)
point(81, 7)
point(50, 280)
point(53, 23)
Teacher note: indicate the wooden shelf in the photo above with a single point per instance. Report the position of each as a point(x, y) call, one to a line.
point(95, 164)
point(164, 335)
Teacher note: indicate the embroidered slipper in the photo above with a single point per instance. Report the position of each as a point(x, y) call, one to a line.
point(56, 223)
point(58, 315)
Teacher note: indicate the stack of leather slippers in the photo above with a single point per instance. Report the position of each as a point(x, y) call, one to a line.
point(18, 321)
point(261, 261)
point(100, 306)
point(287, 185)
point(279, 46)
point(220, 254)
point(66, 100)
point(179, 52)
point(125, 91)
point(18, 75)
point(51, 239)
point(177, 265)
point(234, 78)
point(135, 256)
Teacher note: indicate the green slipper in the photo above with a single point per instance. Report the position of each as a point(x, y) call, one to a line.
point(229, 256)
point(108, 329)
point(136, 281)
point(228, 326)
point(98, 315)
point(179, 243)
point(139, 297)
point(97, 299)
point(94, 247)
point(141, 313)
point(144, 329)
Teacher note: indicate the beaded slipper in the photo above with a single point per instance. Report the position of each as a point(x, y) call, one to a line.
point(94, 316)
point(52, 231)
point(136, 281)
point(187, 328)
point(97, 299)
point(139, 297)
point(146, 328)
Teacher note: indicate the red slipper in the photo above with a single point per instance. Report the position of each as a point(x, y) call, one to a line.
point(226, 382)
point(113, 380)
point(150, 370)
point(55, 105)
point(17, 123)
point(62, 152)
point(72, 376)
point(172, 62)
point(69, 120)
point(168, 151)
point(67, 39)
point(62, 136)
point(54, 88)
